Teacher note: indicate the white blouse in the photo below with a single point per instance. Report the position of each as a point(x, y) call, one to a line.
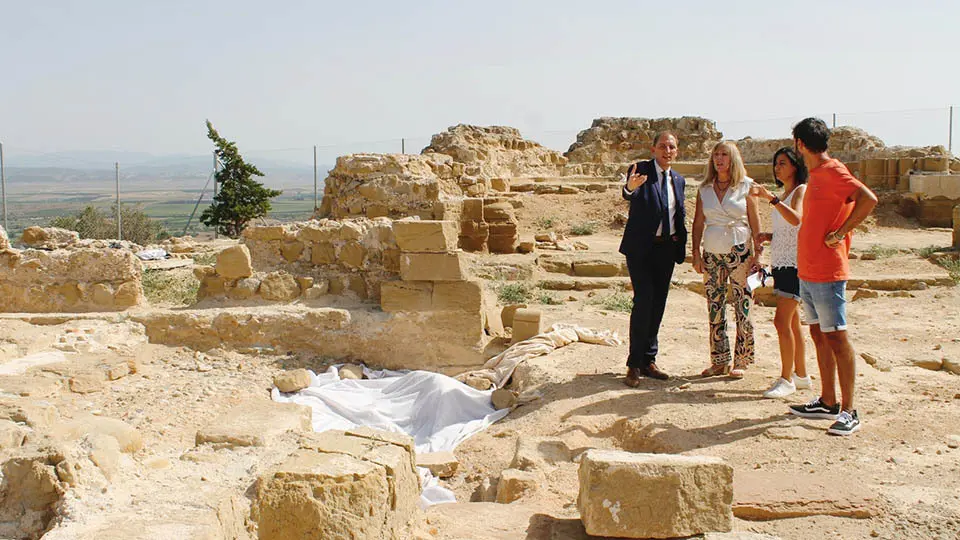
point(726, 222)
point(783, 247)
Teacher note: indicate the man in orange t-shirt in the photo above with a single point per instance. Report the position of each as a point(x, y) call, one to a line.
point(835, 203)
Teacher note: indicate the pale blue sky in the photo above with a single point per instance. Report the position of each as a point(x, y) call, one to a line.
point(143, 76)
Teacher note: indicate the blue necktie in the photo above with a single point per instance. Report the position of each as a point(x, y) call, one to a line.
point(665, 203)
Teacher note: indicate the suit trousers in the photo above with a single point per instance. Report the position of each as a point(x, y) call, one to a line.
point(650, 276)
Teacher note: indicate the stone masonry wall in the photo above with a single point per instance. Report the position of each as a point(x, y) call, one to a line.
point(310, 259)
point(75, 280)
point(624, 140)
point(496, 152)
point(391, 185)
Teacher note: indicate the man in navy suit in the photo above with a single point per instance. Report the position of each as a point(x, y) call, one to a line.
point(654, 241)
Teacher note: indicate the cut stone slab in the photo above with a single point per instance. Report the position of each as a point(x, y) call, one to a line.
point(317, 495)
point(533, 453)
point(629, 495)
point(515, 484)
point(441, 464)
point(426, 236)
point(431, 267)
point(234, 262)
point(255, 423)
point(762, 496)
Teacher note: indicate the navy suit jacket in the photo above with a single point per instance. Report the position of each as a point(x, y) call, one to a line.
point(646, 213)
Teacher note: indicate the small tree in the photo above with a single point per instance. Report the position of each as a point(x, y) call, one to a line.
point(91, 222)
point(241, 198)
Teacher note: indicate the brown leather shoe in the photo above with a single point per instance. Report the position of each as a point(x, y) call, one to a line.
point(633, 377)
point(654, 372)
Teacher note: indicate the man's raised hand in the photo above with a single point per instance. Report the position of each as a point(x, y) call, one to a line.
point(635, 180)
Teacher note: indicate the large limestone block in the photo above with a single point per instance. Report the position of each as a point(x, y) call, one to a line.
point(280, 287)
point(441, 464)
point(431, 267)
point(396, 458)
point(406, 296)
point(49, 237)
point(292, 381)
point(654, 495)
point(255, 423)
point(426, 236)
point(234, 262)
point(515, 485)
point(596, 268)
point(319, 495)
point(457, 296)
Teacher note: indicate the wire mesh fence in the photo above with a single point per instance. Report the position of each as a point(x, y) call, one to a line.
point(39, 187)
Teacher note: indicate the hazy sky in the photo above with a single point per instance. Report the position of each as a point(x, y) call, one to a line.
point(143, 76)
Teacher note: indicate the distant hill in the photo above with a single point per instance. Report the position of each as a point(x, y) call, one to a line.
point(68, 171)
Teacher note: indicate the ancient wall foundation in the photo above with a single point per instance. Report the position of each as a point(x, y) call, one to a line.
point(624, 140)
point(74, 280)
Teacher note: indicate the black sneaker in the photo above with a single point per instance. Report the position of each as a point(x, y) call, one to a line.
point(816, 409)
point(846, 424)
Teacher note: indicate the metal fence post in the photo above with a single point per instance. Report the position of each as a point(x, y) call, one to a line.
point(3, 187)
point(403, 146)
point(315, 206)
point(834, 120)
point(949, 138)
point(119, 228)
point(215, 167)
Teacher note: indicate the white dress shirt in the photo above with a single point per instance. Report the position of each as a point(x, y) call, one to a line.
point(671, 198)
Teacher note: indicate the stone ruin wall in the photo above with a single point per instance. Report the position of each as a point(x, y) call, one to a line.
point(496, 152)
point(306, 259)
point(67, 274)
point(626, 140)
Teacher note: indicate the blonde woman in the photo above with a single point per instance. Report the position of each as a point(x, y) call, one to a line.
point(726, 246)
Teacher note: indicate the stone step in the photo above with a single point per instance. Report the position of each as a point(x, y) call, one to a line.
point(584, 264)
point(573, 283)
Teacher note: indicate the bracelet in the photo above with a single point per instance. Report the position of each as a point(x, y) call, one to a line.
point(775, 201)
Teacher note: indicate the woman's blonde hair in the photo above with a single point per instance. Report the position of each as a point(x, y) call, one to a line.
point(737, 171)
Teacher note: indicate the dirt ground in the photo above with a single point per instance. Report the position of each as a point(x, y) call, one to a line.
point(899, 470)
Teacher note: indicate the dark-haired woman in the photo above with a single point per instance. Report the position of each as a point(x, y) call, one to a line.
point(790, 173)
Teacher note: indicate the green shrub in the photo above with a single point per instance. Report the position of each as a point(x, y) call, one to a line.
point(545, 223)
point(548, 299)
point(883, 252)
point(614, 302)
point(952, 266)
point(513, 293)
point(91, 222)
point(583, 229)
point(164, 287)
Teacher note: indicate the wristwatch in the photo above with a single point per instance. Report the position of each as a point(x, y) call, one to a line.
point(775, 201)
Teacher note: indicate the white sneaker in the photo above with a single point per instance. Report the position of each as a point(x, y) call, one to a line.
point(781, 388)
point(802, 383)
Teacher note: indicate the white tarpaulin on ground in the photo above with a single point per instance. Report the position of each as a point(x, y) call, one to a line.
point(439, 412)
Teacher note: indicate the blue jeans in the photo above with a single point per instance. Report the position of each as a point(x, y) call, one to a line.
point(824, 304)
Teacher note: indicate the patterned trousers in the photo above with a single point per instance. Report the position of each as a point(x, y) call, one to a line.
point(719, 270)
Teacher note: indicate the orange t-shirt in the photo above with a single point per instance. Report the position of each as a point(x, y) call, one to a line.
point(826, 205)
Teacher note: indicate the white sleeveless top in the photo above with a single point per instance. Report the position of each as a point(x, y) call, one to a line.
point(726, 222)
point(783, 247)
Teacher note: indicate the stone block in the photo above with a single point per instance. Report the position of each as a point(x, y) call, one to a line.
point(500, 184)
point(127, 436)
point(526, 324)
point(234, 262)
point(323, 253)
point(244, 289)
point(596, 268)
point(406, 296)
point(629, 495)
point(472, 210)
point(426, 236)
point(352, 254)
point(292, 381)
point(441, 464)
point(255, 423)
point(935, 164)
point(457, 296)
point(316, 495)
point(279, 287)
point(499, 211)
point(507, 313)
point(502, 244)
point(431, 267)
point(514, 485)
point(267, 233)
point(291, 251)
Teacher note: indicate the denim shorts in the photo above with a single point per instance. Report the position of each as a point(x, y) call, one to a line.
point(824, 304)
